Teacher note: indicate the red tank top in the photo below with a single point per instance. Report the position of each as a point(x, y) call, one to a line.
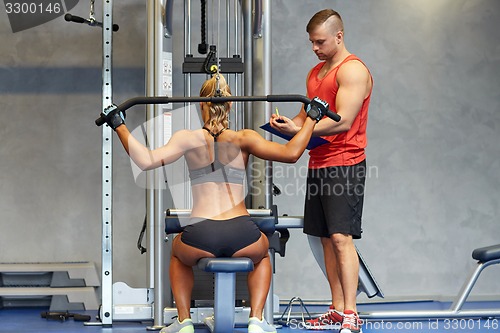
point(347, 148)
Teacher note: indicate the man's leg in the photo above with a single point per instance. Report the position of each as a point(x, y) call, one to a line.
point(347, 267)
point(332, 274)
point(332, 319)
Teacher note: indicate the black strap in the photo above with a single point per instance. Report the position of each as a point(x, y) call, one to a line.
point(216, 135)
point(216, 150)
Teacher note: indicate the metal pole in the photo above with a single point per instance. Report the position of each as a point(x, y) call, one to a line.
point(237, 78)
point(150, 91)
point(154, 192)
point(267, 65)
point(268, 174)
point(107, 170)
point(246, 7)
point(187, 89)
point(262, 170)
point(158, 188)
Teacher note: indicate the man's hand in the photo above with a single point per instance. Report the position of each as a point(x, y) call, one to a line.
point(283, 124)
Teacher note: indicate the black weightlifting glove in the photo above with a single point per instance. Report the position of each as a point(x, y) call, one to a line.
point(113, 116)
point(317, 109)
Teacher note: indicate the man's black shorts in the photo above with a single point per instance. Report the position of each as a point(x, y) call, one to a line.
point(334, 200)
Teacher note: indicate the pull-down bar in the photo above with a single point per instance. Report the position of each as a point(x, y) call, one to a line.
point(165, 100)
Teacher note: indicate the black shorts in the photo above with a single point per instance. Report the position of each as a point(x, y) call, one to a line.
point(222, 238)
point(334, 200)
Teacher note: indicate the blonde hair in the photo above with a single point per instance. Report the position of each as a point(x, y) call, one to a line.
point(219, 112)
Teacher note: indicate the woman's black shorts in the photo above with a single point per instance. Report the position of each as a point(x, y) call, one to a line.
point(222, 238)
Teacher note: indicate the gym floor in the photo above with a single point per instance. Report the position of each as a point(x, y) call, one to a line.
point(14, 320)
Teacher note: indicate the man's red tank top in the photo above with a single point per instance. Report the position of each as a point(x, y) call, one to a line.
point(347, 148)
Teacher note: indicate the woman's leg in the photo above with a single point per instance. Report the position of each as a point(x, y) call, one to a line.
point(181, 274)
point(259, 279)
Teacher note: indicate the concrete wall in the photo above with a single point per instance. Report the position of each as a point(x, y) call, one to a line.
point(432, 193)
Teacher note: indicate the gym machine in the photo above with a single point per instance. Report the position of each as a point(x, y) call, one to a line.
point(119, 301)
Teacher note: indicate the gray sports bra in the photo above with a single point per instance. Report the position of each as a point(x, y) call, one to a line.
point(216, 171)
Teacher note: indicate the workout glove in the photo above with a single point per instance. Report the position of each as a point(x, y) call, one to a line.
point(114, 117)
point(317, 109)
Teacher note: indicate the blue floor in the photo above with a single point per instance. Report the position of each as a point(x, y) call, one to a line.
point(15, 320)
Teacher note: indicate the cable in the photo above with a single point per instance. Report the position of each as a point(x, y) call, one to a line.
point(203, 46)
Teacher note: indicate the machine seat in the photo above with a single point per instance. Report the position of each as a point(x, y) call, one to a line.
point(225, 265)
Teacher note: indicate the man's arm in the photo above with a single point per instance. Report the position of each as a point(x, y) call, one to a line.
point(354, 86)
point(354, 82)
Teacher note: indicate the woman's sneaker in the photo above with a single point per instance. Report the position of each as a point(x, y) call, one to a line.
point(351, 323)
point(177, 327)
point(260, 326)
point(328, 321)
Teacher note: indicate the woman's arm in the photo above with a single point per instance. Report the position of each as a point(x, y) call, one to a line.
point(290, 152)
point(147, 159)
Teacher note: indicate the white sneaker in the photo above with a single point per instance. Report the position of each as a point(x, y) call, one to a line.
point(177, 327)
point(260, 326)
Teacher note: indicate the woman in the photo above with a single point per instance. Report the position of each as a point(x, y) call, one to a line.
point(221, 226)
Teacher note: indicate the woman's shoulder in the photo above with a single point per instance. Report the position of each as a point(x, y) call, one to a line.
point(245, 133)
point(247, 137)
point(234, 137)
point(189, 137)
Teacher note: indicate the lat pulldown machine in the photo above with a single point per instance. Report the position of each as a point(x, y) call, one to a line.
point(256, 49)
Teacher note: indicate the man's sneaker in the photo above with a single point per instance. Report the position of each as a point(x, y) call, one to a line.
point(328, 321)
point(177, 327)
point(351, 323)
point(260, 326)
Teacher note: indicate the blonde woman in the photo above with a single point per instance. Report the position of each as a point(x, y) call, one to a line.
point(221, 226)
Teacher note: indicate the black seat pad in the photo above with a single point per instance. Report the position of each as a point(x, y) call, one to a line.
point(487, 253)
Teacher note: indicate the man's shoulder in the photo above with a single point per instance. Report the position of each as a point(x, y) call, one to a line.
point(353, 64)
point(354, 60)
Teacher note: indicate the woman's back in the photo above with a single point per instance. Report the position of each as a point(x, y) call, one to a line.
point(217, 173)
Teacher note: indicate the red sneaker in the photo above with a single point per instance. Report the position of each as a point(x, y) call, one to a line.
point(351, 322)
point(328, 321)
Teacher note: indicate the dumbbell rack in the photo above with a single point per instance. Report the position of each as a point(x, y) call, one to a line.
point(66, 286)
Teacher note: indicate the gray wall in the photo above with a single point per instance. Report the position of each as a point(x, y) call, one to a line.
point(432, 193)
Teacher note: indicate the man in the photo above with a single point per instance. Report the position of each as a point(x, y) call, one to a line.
point(336, 175)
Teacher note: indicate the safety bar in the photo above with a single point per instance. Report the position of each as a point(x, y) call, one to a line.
point(222, 99)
